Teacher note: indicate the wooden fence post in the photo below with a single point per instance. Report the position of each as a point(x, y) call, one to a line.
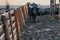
point(59, 10)
point(4, 21)
point(25, 11)
point(11, 13)
point(13, 22)
point(17, 24)
point(22, 16)
point(2, 34)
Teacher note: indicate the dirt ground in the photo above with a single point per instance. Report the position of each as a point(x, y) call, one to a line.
point(45, 28)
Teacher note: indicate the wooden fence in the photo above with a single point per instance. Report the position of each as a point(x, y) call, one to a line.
point(12, 22)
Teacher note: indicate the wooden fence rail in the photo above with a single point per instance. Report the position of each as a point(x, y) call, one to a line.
point(12, 22)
